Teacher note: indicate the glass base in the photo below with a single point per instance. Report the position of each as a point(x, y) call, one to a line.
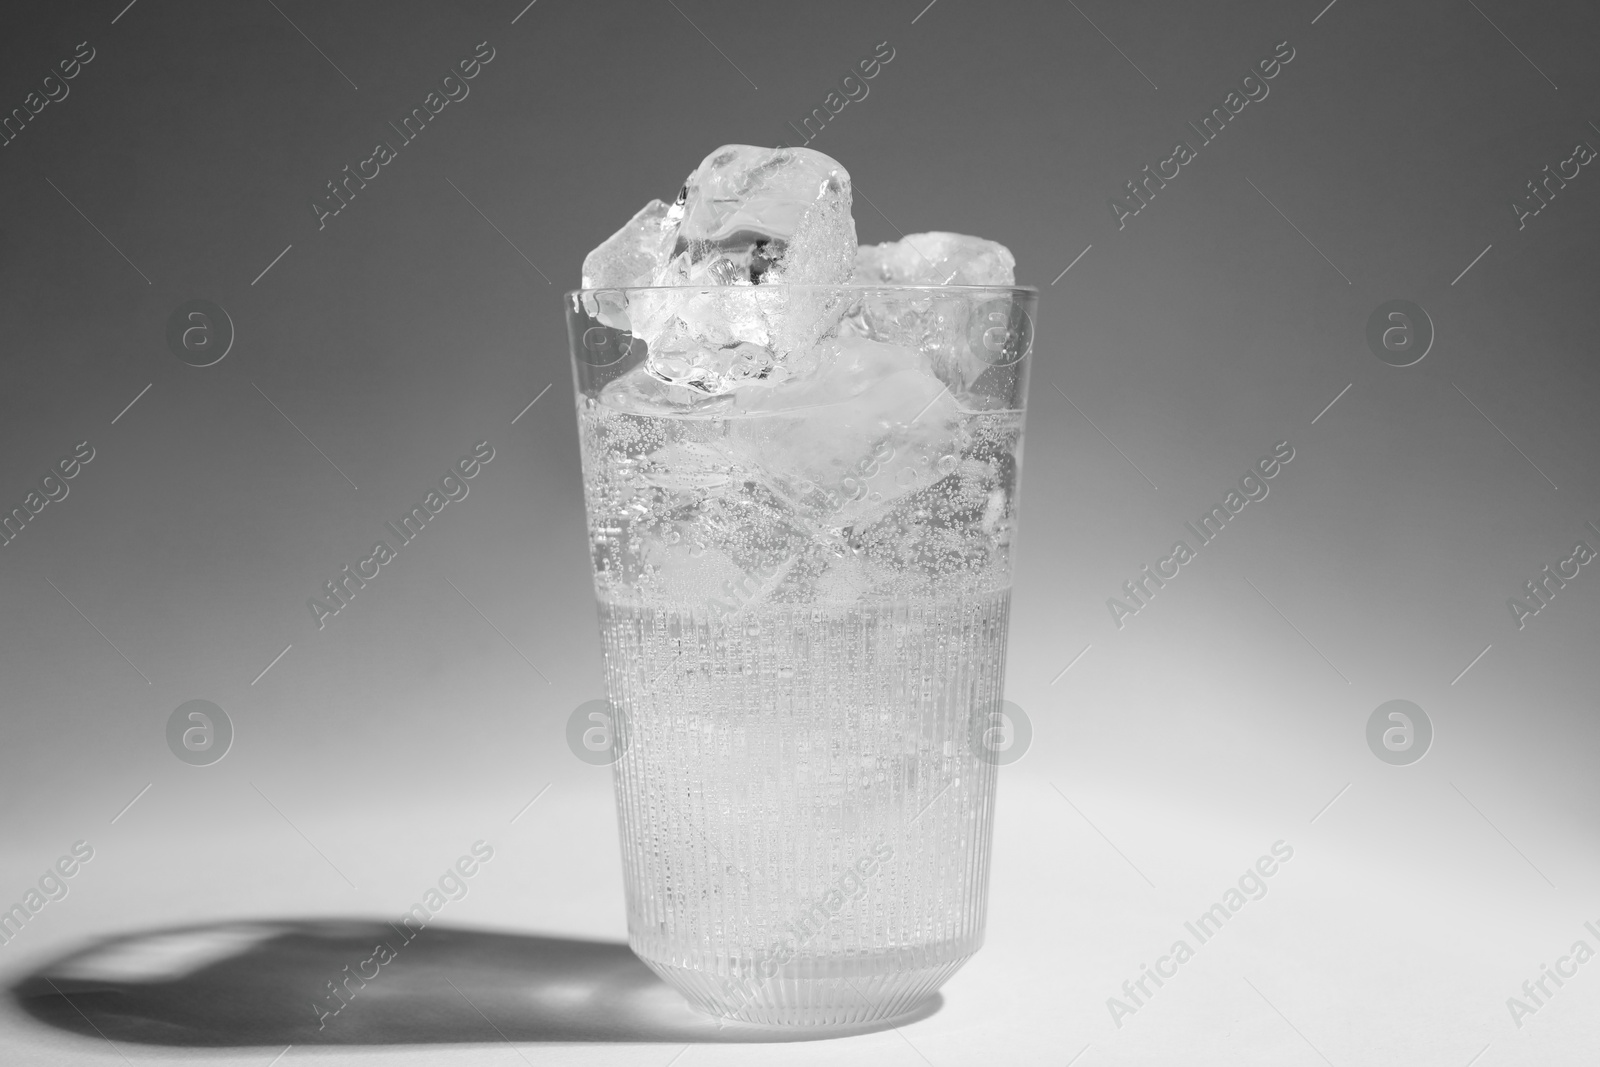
point(817, 994)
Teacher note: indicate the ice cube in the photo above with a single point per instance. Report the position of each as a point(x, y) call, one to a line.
point(752, 218)
point(953, 332)
point(755, 216)
point(846, 443)
point(935, 258)
point(631, 256)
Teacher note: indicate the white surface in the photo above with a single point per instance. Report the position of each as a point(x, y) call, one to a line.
point(1366, 954)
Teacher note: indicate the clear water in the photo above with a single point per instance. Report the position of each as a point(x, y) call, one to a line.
point(803, 614)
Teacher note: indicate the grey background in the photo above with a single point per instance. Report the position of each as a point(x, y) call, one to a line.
point(1224, 717)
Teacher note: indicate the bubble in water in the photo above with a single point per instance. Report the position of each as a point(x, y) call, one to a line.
point(907, 477)
point(752, 628)
point(947, 464)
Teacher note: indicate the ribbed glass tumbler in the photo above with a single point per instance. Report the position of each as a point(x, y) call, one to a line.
point(804, 584)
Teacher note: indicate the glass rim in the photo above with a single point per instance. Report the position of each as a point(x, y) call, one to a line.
point(783, 288)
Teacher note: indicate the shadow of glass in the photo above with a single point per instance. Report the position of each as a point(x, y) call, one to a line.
point(329, 983)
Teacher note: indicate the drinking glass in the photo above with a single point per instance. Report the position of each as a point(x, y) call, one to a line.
point(803, 594)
